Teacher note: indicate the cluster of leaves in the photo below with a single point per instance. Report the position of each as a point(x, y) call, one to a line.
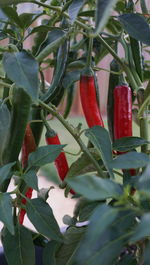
point(117, 224)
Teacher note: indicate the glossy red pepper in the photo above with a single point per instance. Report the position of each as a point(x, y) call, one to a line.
point(61, 163)
point(89, 101)
point(122, 111)
point(28, 147)
point(123, 115)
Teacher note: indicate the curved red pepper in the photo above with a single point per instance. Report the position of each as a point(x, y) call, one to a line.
point(28, 147)
point(60, 162)
point(89, 101)
point(123, 115)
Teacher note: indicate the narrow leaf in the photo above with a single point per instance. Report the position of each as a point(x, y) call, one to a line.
point(5, 172)
point(44, 155)
point(94, 188)
point(49, 253)
point(22, 69)
point(136, 26)
point(128, 143)
point(12, 15)
point(106, 235)
point(19, 249)
point(99, 137)
point(67, 251)
point(70, 78)
point(143, 181)
point(6, 211)
point(103, 12)
point(4, 125)
point(130, 160)
point(31, 179)
point(74, 9)
point(41, 216)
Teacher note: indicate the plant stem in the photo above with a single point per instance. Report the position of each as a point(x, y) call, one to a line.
point(122, 63)
point(89, 56)
point(74, 134)
point(141, 110)
point(143, 6)
point(55, 8)
point(144, 133)
point(5, 84)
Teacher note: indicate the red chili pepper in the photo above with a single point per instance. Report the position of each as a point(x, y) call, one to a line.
point(123, 116)
point(89, 101)
point(61, 163)
point(28, 147)
point(122, 111)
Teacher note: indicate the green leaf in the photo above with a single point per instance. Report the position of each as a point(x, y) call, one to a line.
point(41, 216)
point(94, 188)
point(28, 18)
point(55, 39)
point(100, 220)
point(136, 26)
point(6, 211)
point(143, 229)
point(74, 9)
point(31, 180)
point(67, 251)
point(4, 125)
point(103, 11)
point(46, 28)
point(49, 253)
point(12, 15)
point(81, 165)
point(85, 208)
point(128, 143)
point(18, 248)
point(130, 160)
point(70, 78)
point(6, 172)
point(99, 137)
point(44, 155)
point(106, 235)
point(22, 69)
point(44, 193)
point(143, 182)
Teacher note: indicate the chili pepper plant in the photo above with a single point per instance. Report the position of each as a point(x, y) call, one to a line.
point(110, 177)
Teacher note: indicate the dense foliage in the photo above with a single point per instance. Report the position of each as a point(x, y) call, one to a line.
point(113, 193)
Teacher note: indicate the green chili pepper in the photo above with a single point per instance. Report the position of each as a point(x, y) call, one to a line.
point(113, 82)
point(21, 103)
point(37, 127)
point(137, 56)
point(58, 97)
point(58, 73)
point(69, 100)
